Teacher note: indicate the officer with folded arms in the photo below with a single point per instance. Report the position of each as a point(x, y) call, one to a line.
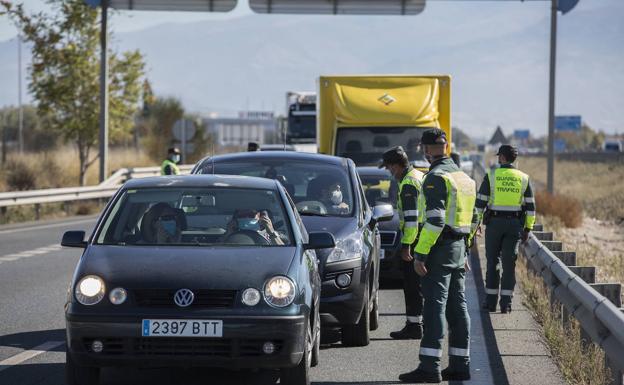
point(439, 258)
point(507, 194)
point(397, 163)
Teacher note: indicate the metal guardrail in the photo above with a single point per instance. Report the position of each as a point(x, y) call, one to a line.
point(574, 292)
point(104, 190)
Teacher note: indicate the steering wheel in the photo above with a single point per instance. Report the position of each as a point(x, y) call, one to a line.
point(312, 206)
point(247, 237)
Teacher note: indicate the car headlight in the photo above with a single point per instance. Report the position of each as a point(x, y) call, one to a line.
point(346, 249)
point(118, 295)
point(90, 290)
point(279, 291)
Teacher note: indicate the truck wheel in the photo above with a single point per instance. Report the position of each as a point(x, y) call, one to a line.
point(374, 314)
point(358, 334)
point(300, 374)
point(80, 375)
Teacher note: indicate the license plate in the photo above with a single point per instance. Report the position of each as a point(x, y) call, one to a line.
point(182, 328)
point(382, 254)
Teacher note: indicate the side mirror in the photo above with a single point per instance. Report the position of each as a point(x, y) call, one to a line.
point(320, 240)
point(382, 213)
point(74, 239)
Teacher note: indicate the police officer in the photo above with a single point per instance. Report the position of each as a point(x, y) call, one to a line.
point(170, 165)
point(450, 217)
point(397, 163)
point(508, 196)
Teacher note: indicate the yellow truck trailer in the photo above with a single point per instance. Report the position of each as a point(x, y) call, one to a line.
point(359, 117)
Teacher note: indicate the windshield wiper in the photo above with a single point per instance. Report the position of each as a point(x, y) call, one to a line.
point(312, 214)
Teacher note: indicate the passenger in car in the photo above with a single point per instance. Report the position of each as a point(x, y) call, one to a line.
point(327, 190)
point(249, 226)
point(163, 224)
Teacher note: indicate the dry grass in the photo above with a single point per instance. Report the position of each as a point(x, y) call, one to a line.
point(566, 208)
point(599, 186)
point(580, 365)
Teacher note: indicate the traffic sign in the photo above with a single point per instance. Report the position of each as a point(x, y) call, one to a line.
point(568, 123)
point(339, 7)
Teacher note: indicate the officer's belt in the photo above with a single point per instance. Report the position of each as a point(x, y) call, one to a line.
point(448, 233)
point(506, 214)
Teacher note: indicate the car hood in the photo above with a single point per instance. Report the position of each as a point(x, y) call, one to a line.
point(192, 267)
point(338, 226)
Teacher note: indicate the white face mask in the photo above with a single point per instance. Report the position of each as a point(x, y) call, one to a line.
point(336, 197)
point(175, 158)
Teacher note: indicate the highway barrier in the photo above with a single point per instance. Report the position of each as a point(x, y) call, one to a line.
point(574, 293)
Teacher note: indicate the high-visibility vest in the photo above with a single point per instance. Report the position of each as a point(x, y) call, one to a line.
point(409, 228)
point(174, 167)
point(507, 189)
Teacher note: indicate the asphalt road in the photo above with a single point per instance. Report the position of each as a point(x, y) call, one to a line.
point(34, 275)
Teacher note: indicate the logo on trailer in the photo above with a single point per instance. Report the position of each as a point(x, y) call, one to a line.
point(386, 99)
point(183, 297)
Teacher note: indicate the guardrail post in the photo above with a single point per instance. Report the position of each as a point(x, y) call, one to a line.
point(543, 235)
point(586, 273)
point(567, 257)
point(37, 211)
point(67, 207)
point(611, 291)
point(617, 376)
point(553, 245)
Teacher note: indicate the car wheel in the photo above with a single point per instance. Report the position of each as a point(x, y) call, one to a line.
point(374, 314)
point(358, 334)
point(300, 374)
point(80, 375)
point(316, 347)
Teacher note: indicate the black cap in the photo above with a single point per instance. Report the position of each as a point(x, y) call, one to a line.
point(173, 150)
point(433, 136)
point(508, 151)
point(395, 155)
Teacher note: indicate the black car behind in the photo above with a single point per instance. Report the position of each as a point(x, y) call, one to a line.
point(328, 195)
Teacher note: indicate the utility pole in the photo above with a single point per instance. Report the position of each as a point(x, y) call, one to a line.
point(551, 99)
point(104, 93)
point(20, 135)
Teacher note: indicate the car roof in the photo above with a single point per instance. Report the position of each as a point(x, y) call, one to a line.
point(370, 170)
point(286, 156)
point(203, 181)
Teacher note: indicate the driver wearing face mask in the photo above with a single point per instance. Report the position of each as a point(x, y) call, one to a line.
point(331, 197)
point(170, 165)
point(258, 222)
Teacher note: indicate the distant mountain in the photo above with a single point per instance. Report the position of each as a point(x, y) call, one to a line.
point(498, 60)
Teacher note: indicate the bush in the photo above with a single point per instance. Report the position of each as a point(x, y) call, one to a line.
point(20, 176)
point(564, 207)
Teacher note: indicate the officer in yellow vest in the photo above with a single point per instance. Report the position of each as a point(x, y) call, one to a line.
point(450, 217)
point(170, 165)
point(508, 196)
point(397, 163)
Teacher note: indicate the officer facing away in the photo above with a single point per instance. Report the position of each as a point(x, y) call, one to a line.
point(410, 180)
point(450, 217)
point(170, 165)
point(508, 196)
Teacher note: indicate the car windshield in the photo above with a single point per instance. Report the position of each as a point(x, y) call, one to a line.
point(317, 189)
point(365, 145)
point(216, 216)
point(380, 189)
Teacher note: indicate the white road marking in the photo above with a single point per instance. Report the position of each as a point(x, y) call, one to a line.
point(30, 253)
point(60, 224)
point(28, 354)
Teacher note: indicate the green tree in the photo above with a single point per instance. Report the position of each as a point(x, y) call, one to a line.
point(64, 75)
point(158, 125)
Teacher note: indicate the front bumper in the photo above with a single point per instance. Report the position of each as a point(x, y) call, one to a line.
point(240, 346)
point(342, 306)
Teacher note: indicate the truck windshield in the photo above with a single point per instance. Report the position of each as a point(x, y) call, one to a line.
point(301, 127)
point(365, 145)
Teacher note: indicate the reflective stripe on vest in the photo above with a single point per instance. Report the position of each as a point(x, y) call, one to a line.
point(507, 187)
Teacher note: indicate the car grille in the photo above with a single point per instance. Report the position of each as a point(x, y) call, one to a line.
point(203, 298)
point(205, 347)
point(387, 238)
point(333, 274)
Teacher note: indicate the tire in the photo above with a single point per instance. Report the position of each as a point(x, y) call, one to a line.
point(300, 374)
point(358, 334)
point(316, 347)
point(80, 375)
point(374, 314)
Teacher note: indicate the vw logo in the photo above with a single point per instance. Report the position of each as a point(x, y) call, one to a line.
point(183, 297)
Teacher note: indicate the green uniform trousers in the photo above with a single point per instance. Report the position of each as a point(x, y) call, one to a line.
point(443, 288)
point(502, 238)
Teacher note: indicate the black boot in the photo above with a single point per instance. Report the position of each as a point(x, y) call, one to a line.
point(420, 376)
point(505, 308)
point(449, 375)
point(411, 331)
point(488, 306)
